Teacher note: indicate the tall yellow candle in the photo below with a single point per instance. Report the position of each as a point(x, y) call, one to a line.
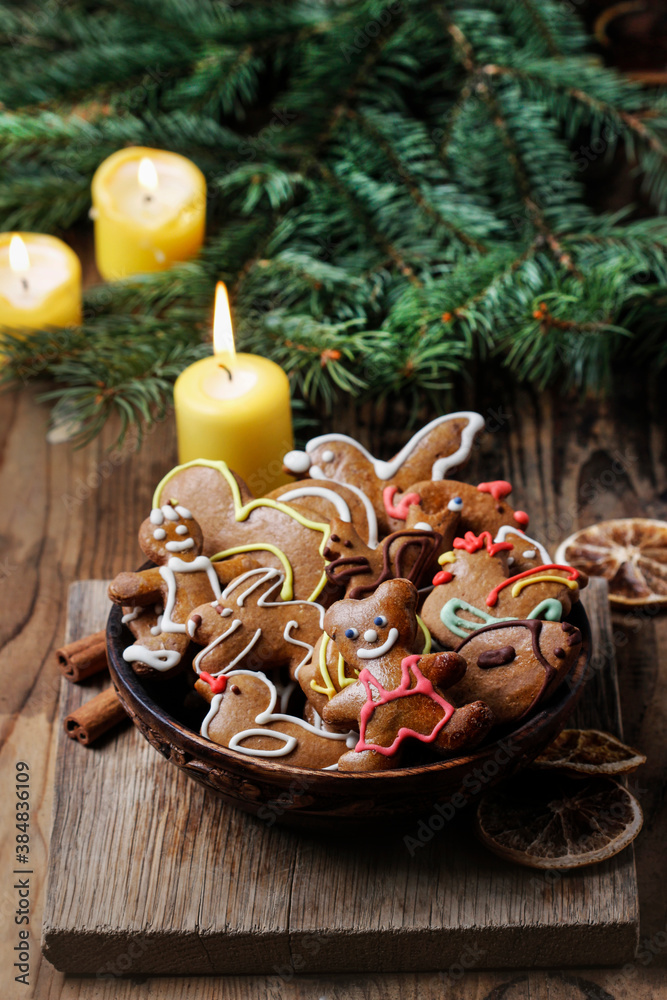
point(235, 408)
point(40, 282)
point(149, 208)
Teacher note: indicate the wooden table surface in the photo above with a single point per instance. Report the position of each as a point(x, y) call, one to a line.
point(71, 515)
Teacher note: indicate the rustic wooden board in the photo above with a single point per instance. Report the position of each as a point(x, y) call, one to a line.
point(147, 870)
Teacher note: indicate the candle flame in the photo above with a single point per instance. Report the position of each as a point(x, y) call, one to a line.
point(223, 333)
point(19, 259)
point(148, 179)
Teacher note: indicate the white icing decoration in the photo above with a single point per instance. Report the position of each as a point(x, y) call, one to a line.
point(157, 628)
point(387, 470)
point(263, 574)
point(285, 692)
point(191, 627)
point(330, 767)
point(372, 654)
point(182, 529)
point(169, 512)
point(267, 716)
point(296, 461)
point(297, 642)
point(287, 747)
point(159, 534)
point(336, 499)
point(180, 546)
point(328, 456)
point(176, 565)
point(156, 516)
point(371, 517)
point(132, 615)
point(529, 553)
point(370, 635)
point(507, 529)
point(183, 511)
point(422, 526)
point(456, 503)
point(510, 560)
point(158, 659)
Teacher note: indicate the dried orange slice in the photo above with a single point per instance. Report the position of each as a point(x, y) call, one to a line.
point(631, 554)
point(589, 751)
point(558, 821)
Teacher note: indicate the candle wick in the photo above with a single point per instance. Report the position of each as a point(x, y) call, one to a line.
point(24, 283)
point(148, 197)
point(227, 370)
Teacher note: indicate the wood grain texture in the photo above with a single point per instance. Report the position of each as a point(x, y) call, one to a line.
point(152, 866)
point(560, 453)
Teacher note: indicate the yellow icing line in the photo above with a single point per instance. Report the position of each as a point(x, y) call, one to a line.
point(344, 681)
point(520, 584)
point(447, 557)
point(241, 512)
point(427, 636)
point(329, 690)
point(287, 589)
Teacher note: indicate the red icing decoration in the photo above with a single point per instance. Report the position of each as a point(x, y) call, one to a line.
point(498, 489)
point(442, 577)
point(423, 686)
point(400, 512)
point(217, 684)
point(473, 543)
point(492, 599)
point(521, 518)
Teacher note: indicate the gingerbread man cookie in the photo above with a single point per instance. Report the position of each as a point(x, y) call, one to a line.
point(441, 447)
point(398, 694)
point(513, 666)
point(247, 627)
point(476, 586)
point(182, 579)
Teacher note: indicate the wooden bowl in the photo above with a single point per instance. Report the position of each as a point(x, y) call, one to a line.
point(329, 800)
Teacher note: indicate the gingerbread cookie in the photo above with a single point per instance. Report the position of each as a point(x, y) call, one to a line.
point(441, 447)
point(245, 715)
point(480, 508)
point(159, 600)
point(513, 666)
point(247, 627)
point(476, 586)
point(233, 521)
point(408, 553)
point(326, 501)
point(398, 693)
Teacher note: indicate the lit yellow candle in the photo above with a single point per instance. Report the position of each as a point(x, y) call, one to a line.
point(40, 282)
point(235, 407)
point(149, 208)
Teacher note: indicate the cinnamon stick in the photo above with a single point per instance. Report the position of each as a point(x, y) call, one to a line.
point(95, 717)
point(83, 658)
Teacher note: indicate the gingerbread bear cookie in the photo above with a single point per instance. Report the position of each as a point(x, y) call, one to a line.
point(233, 521)
point(398, 693)
point(442, 446)
point(476, 586)
point(158, 600)
point(513, 666)
point(245, 715)
point(248, 627)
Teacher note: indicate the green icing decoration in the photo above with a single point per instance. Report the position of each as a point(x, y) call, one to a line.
point(550, 609)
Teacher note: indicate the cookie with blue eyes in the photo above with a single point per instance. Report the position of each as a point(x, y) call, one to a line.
point(157, 601)
point(374, 672)
point(479, 583)
point(440, 448)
